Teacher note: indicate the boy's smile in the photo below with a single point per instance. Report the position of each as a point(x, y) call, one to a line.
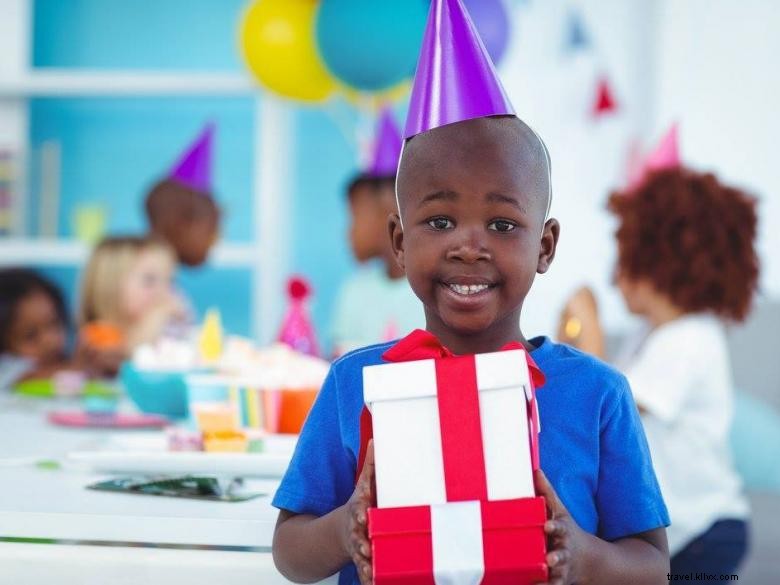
point(473, 199)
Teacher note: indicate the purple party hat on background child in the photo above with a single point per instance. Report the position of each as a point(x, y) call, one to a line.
point(455, 78)
point(193, 169)
point(387, 146)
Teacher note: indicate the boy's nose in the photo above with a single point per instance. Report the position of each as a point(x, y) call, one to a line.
point(471, 248)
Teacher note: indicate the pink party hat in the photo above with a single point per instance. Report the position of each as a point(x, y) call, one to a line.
point(193, 169)
point(666, 155)
point(387, 148)
point(297, 330)
point(455, 78)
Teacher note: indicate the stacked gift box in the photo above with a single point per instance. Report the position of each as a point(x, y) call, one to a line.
point(455, 443)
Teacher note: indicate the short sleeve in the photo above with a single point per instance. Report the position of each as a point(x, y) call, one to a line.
point(321, 473)
point(660, 375)
point(628, 498)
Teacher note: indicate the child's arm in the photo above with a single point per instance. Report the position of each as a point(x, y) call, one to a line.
point(574, 556)
point(309, 548)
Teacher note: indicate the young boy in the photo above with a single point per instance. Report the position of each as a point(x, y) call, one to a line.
point(376, 303)
point(181, 208)
point(471, 233)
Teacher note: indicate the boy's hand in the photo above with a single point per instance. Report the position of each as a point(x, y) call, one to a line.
point(564, 537)
point(356, 541)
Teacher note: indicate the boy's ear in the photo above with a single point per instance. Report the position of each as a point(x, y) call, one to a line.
point(550, 234)
point(396, 238)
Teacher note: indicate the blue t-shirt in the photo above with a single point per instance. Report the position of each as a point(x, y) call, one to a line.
point(592, 446)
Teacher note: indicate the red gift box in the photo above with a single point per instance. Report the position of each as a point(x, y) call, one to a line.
point(512, 535)
point(470, 539)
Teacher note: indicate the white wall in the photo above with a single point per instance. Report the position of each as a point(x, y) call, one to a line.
point(712, 64)
point(554, 92)
point(719, 67)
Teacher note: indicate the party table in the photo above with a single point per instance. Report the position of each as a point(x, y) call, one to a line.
point(101, 537)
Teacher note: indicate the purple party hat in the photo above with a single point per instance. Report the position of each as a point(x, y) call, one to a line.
point(193, 169)
point(455, 78)
point(387, 148)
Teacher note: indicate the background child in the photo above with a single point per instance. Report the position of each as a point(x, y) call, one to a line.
point(33, 327)
point(376, 304)
point(181, 208)
point(471, 233)
point(686, 263)
point(128, 284)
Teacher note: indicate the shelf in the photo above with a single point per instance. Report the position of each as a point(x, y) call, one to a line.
point(80, 82)
point(53, 252)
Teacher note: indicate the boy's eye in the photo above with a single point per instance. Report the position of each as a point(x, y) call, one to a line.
point(441, 223)
point(501, 225)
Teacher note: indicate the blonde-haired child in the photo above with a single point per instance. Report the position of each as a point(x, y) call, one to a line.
point(127, 296)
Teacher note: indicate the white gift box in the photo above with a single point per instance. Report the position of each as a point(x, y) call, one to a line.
point(402, 398)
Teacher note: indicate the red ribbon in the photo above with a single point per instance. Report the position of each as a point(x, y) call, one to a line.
point(460, 431)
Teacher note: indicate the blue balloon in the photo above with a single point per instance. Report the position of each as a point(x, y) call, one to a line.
point(371, 45)
point(492, 22)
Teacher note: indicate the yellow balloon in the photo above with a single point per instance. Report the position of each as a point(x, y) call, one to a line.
point(277, 41)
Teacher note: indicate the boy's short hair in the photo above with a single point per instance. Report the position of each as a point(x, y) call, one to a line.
point(530, 147)
point(375, 183)
point(15, 285)
point(692, 238)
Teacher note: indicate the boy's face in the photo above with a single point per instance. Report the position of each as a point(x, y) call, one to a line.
point(369, 209)
point(473, 199)
point(366, 223)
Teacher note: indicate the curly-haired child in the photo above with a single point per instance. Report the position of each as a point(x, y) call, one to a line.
point(687, 264)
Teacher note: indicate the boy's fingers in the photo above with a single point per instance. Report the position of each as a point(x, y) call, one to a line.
point(360, 507)
point(366, 573)
point(363, 567)
point(558, 558)
point(368, 464)
point(544, 488)
point(361, 544)
point(367, 480)
point(555, 529)
point(367, 473)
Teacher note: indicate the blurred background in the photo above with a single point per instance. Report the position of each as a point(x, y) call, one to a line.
point(98, 97)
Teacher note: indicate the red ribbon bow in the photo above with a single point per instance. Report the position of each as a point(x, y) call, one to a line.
point(423, 345)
